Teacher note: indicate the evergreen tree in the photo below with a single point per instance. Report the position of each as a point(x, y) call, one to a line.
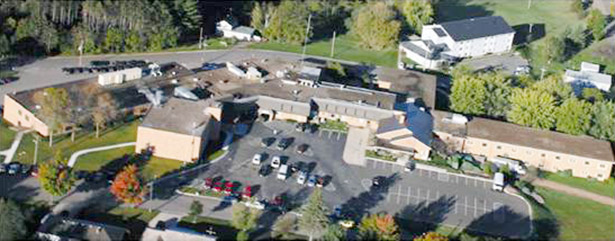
point(258, 17)
point(314, 214)
point(12, 221)
point(573, 117)
point(554, 48)
point(196, 208)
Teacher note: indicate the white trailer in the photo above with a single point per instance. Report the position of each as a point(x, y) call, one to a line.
point(118, 77)
point(515, 165)
point(498, 182)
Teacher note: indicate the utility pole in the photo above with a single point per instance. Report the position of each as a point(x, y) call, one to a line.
point(307, 31)
point(529, 4)
point(35, 147)
point(542, 73)
point(333, 45)
point(201, 39)
point(80, 48)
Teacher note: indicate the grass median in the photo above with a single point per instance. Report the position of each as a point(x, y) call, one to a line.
point(6, 136)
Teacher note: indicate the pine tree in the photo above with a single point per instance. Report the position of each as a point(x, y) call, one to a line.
point(314, 214)
point(12, 221)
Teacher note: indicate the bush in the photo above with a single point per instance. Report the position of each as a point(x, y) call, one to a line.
point(488, 168)
point(565, 173)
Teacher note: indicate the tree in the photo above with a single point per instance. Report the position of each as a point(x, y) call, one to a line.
point(54, 109)
point(258, 17)
point(12, 221)
point(378, 227)
point(186, 15)
point(314, 214)
point(554, 48)
point(417, 14)
point(340, 71)
point(576, 35)
point(602, 119)
point(573, 117)
point(431, 236)
point(334, 233)
point(113, 40)
point(55, 177)
point(288, 23)
point(134, 42)
point(577, 7)
point(244, 219)
point(104, 111)
point(5, 45)
point(196, 208)
point(375, 26)
point(488, 168)
point(498, 89)
point(532, 108)
point(596, 22)
point(592, 95)
point(283, 226)
point(468, 94)
point(553, 85)
point(127, 187)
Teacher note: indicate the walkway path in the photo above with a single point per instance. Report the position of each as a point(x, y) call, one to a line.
point(574, 191)
point(74, 156)
point(9, 153)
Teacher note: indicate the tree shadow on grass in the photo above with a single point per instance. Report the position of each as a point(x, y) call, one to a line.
point(458, 10)
point(502, 222)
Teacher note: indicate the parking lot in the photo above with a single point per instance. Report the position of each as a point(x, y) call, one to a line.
point(420, 195)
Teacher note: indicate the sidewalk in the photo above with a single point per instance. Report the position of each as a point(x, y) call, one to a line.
point(74, 156)
point(9, 153)
point(574, 191)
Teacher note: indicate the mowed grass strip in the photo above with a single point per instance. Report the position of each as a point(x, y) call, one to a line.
point(6, 135)
point(578, 218)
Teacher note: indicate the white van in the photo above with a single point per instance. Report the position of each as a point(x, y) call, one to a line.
point(515, 165)
point(283, 172)
point(498, 182)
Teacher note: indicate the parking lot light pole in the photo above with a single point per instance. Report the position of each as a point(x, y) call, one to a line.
point(35, 147)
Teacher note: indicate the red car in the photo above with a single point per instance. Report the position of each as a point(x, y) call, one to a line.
point(247, 192)
point(208, 183)
point(218, 187)
point(229, 188)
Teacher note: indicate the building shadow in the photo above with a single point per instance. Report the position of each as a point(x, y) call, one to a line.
point(525, 35)
point(461, 9)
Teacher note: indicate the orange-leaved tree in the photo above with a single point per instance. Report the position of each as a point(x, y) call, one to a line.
point(378, 227)
point(431, 236)
point(127, 186)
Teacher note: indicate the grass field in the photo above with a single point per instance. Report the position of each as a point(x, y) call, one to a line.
point(126, 132)
point(94, 161)
point(346, 48)
point(577, 218)
point(156, 167)
point(6, 136)
point(602, 53)
point(606, 188)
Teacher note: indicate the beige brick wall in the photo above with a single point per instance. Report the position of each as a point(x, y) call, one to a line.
point(349, 120)
point(19, 116)
point(545, 160)
point(289, 116)
point(421, 150)
point(169, 145)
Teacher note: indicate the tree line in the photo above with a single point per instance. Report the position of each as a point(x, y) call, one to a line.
point(35, 27)
point(376, 24)
point(547, 104)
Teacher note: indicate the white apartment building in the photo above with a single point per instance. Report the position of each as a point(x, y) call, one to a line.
point(450, 41)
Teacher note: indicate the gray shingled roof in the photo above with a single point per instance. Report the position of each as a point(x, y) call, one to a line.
point(244, 30)
point(282, 105)
point(179, 115)
point(351, 109)
point(476, 28)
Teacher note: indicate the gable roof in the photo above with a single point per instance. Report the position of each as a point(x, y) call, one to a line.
point(583, 146)
point(420, 123)
point(244, 30)
point(476, 28)
point(179, 115)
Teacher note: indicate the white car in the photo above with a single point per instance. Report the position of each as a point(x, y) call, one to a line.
point(302, 178)
point(256, 160)
point(276, 162)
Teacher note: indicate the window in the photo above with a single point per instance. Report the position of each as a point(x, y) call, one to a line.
point(484, 144)
point(542, 155)
point(571, 160)
point(19, 112)
point(601, 165)
point(529, 152)
point(586, 163)
point(557, 157)
point(499, 147)
point(27, 118)
point(513, 150)
point(600, 175)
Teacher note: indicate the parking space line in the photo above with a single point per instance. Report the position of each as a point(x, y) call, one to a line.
point(437, 195)
point(485, 206)
point(418, 195)
point(475, 209)
point(375, 164)
point(456, 204)
point(398, 194)
point(456, 179)
point(475, 183)
point(465, 212)
point(409, 195)
point(427, 196)
point(466, 181)
point(330, 132)
point(484, 184)
point(339, 134)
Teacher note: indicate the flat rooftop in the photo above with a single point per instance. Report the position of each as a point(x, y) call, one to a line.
point(410, 83)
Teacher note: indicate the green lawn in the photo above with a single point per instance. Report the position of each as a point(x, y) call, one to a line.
point(118, 134)
point(599, 53)
point(606, 188)
point(94, 161)
point(555, 15)
point(157, 167)
point(346, 48)
point(577, 218)
point(6, 136)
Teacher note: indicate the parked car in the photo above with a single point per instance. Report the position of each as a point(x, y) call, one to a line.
point(26, 168)
point(409, 166)
point(311, 181)
point(264, 171)
point(14, 168)
point(34, 171)
point(81, 174)
point(97, 63)
point(265, 142)
point(301, 178)
point(302, 148)
point(209, 182)
point(283, 172)
point(3, 167)
point(276, 162)
point(230, 199)
point(256, 160)
point(284, 143)
point(378, 181)
point(300, 127)
point(320, 181)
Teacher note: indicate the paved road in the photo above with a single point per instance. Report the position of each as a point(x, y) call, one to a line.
point(45, 72)
point(574, 191)
point(75, 156)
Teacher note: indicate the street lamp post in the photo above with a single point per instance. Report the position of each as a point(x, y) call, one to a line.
point(35, 148)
